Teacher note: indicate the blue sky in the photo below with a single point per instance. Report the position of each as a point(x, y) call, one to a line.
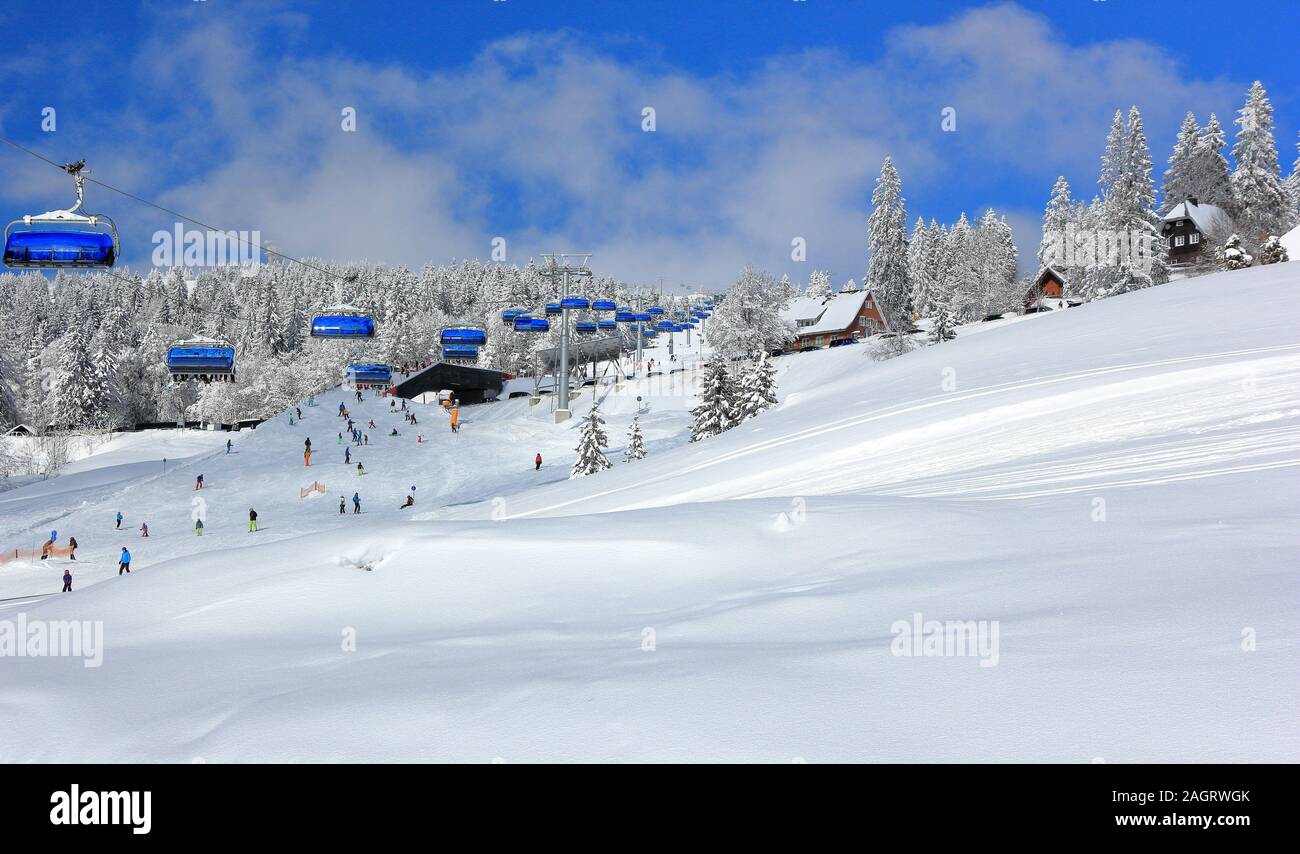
point(523, 119)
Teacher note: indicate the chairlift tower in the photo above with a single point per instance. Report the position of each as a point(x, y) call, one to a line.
point(563, 266)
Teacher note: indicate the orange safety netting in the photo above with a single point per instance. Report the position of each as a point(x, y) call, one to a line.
point(316, 486)
point(28, 554)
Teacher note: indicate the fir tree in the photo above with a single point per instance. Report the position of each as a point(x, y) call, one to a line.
point(1053, 249)
point(635, 449)
point(591, 446)
point(1179, 179)
point(71, 400)
point(944, 328)
point(715, 413)
point(1262, 205)
point(757, 389)
point(819, 285)
point(887, 273)
point(1211, 177)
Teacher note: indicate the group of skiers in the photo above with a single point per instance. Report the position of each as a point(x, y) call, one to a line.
point(47, 548)
point(358, 438)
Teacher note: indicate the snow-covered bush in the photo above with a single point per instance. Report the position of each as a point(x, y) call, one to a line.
point(1233, 256)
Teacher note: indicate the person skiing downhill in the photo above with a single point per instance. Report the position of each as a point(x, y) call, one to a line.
point(343, 503)
point(410, 502)
point(252, 520)
point(72, 544)
point(356, 502)
point(229, 445)
point(342, 408)
point(361, 469)
point(347, 456)
point(67, 581)
point(119, 519)
point(144, 529)
point(198, 527)
point(538, 462)
point(124, 562)
point(198, 482)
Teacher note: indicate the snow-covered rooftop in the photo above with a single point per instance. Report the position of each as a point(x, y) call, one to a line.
point(1291, 240)
point(830, 315)
point(1204, 217)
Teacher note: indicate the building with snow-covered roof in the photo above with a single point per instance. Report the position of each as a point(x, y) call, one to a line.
point(817, 322)
point(1050, 290)
point(1187, 225)
point(1291, 242)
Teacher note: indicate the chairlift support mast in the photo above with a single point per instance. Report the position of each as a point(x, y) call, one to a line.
point(563, 266)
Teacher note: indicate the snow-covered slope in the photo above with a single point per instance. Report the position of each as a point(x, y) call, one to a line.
point(1112, 487)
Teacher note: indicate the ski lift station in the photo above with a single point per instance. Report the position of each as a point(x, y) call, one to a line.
point(468, 384)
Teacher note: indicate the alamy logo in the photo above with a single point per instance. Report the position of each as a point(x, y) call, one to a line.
point(75, 807)
point(182, 247)
point(23, 638)
point(1087, 247)
point(946, 639)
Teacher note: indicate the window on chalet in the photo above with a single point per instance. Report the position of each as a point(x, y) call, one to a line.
point(1179, 240)
point(1193, 238)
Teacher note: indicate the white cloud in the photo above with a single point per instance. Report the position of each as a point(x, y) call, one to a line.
point(544, 146)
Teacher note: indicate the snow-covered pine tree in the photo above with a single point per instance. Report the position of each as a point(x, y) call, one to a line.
point(1114, 167)
point(887, 274)
point(937, 262)
point(1135, 257)
point(1233, 256)
point(1179, 179)
point(715, 412)
point(757, 388)
point(71, 400)
point(1263, 207)
point(995, 265)
point(944, 326)
point(819, 285)
point(961, 274)
point(1053, 250)
point(635, 449)
point(918, 259)
point(1211, 177)
point(591, 446)
point(104, 385)
point(749, 318)
point(1293, 187)
point(8, 400)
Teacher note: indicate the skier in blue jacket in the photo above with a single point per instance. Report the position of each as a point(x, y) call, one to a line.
point(124, 562)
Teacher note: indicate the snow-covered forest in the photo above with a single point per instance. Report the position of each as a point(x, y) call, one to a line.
point(88, 351)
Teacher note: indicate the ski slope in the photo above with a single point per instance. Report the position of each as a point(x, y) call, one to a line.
point(1114, 485)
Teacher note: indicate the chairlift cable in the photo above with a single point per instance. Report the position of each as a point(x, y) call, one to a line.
point(75, 169)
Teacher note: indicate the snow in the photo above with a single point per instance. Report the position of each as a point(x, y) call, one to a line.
point(1205, 217)
point(1291, 242)
point(732, 599)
